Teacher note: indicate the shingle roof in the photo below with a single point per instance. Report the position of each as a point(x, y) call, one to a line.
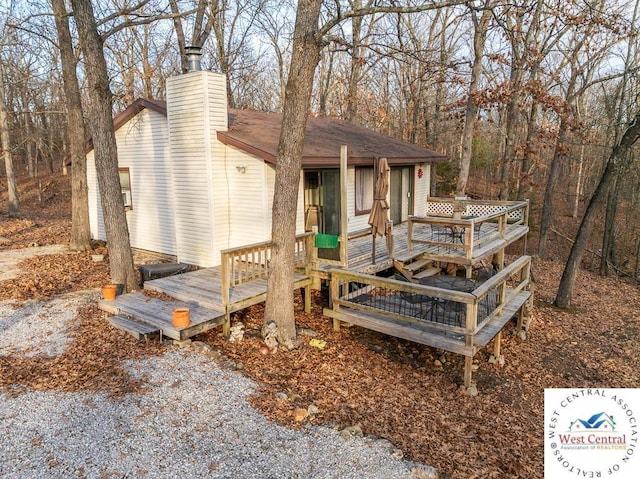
point(258, 133)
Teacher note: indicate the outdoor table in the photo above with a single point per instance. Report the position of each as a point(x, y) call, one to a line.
point(444, 310)
point(456, 283)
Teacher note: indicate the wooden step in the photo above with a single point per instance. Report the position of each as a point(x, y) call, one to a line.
point(157, 312)
point(427, 272)
point(137, 329)
point(416, 265)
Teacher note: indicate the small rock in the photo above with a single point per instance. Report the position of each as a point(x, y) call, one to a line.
point(472, 390)
point(35, 244)
point(300, 414)
point(425, 472)
point(313, 410)
point(437, 363)
point(442, 359)
point(494, 360)
point(228, 364)
point(236, 333)
point(270, 335)
point(264, 350)
point(397, 453)
point(351, 431)
point(282, 395)
point(475, 367)
point(307, 331)
point(523, 335)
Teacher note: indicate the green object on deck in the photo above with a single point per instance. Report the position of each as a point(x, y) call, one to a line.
point(326, 241)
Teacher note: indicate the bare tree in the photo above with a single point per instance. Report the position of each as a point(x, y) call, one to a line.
point(104, 144)
point(5, 140)
point(618, 159)
point(80, 228)
point(305, 58)
point(480, 27)
point(308, 39)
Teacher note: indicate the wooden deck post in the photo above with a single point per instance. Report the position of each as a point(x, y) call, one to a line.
point(496, 345)
point(225, 284)
point(344, 225)
point(315, 278)
point(410, 233)
point(334, 292)
point(468, 370)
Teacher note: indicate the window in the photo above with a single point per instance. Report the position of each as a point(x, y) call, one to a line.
point(125, 185)
point(364, 190)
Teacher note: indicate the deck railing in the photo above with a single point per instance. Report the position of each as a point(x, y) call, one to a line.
point(465, 233)
point(251, 262)
point(442, 309)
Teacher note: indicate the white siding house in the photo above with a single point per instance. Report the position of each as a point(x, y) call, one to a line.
point(143, 148)
point(202, 176)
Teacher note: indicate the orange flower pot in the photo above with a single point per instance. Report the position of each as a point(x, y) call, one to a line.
point(180, 317)
point(109, 292)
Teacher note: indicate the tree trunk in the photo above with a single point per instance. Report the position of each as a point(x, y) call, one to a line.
point(509, 154)
point(609, 236)
point(80, 228)
point(305, 58)
point(104, 145)
point(472, 109)
point(615, 162)
point(12, 186)
point(552, 179)
point(356, 66)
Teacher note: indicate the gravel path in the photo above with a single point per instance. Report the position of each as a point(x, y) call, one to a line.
point(10, 258)
point(194, 422)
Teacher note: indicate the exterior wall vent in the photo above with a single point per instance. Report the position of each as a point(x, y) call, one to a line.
point(194, 55)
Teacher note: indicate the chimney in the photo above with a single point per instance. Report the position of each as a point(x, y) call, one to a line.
point(193, 58)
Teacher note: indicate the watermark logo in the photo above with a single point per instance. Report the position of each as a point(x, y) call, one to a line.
point(591, 433)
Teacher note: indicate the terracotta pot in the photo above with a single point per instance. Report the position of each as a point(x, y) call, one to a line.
point(180, 317)
point(109, 291)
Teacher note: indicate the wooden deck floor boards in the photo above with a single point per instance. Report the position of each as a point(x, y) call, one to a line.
point(158, 313)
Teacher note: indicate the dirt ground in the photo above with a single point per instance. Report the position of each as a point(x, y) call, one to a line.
point(391, 388)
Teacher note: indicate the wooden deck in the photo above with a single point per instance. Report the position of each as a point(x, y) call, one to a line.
point(200, 291)
point(204, 287)
point(459, 321)
point(141, 314)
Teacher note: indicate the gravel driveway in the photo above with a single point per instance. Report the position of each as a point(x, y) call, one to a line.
point(199, 426)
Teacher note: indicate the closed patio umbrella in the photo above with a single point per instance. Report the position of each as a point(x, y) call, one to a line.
point(379, 216)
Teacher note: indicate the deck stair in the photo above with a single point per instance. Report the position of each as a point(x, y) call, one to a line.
point(415, 268)
point(135, 328)
point(431, 271)
point(141, 316)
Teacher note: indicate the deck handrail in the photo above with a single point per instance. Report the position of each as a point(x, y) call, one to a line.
point(250, 262)
point(498, 283)
point(467, 226)
point(342, 295)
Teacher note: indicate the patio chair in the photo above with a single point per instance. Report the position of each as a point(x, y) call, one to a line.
point(423, 303)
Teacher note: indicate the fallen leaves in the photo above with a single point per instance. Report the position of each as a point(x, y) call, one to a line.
point(393, 389)
point(92, 361)
point(45, 276)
